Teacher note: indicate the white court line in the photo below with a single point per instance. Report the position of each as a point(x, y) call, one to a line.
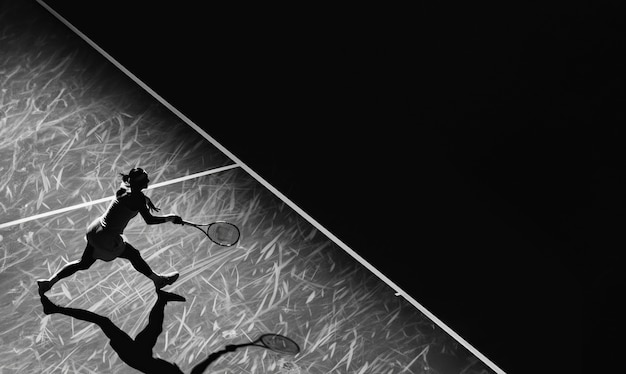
point(109, 198)
point(398, 290)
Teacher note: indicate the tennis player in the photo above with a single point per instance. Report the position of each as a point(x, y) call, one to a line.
point(104, 236)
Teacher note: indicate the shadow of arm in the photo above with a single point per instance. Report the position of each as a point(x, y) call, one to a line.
point(201, 367)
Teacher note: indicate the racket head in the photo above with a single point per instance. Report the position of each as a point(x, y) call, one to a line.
point(279, 343)
point(223, 233)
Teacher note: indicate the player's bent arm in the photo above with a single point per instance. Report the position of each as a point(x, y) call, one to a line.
point(157, 220)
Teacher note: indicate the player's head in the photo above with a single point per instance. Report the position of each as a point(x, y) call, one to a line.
point(137, 178)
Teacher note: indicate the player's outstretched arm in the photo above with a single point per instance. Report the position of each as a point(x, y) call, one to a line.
point(150, 219)
point(157, 220)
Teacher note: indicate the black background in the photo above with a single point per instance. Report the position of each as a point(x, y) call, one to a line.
point(491, 135)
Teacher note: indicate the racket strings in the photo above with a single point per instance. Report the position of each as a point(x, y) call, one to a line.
point(223, 233)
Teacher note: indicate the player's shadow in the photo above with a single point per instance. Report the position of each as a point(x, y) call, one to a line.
point(137, 353)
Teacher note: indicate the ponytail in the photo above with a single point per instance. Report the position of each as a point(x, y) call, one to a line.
point(125, 179)
point(124, 187)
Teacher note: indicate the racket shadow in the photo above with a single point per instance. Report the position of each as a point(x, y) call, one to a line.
point(274, 342)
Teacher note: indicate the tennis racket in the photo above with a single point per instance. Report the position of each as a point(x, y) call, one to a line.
point(275, 342)
point(221, 233)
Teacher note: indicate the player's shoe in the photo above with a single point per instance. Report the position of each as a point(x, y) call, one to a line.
point(169, 296)
point(166, 280)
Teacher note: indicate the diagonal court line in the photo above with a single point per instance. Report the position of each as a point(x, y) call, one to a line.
point(109, 198)
point(292, 205)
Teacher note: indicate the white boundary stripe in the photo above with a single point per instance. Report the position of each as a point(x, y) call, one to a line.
point(399, 292)
point(105, 199)
point(53, 212)
point(193, 176)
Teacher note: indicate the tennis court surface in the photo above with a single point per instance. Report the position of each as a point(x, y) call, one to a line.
point(70, 121)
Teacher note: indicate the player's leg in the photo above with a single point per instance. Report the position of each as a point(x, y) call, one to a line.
point(147, 338)
point(84, 263)
point(160, 280)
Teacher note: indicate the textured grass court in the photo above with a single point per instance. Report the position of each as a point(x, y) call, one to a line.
point(69, 122)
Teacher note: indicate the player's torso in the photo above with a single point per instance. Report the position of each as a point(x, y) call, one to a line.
point(120, 212)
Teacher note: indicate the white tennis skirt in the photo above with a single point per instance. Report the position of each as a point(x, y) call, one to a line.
point(107, 246)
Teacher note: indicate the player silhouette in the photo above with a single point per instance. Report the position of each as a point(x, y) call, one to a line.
point(104, 235)
point(136, 353)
